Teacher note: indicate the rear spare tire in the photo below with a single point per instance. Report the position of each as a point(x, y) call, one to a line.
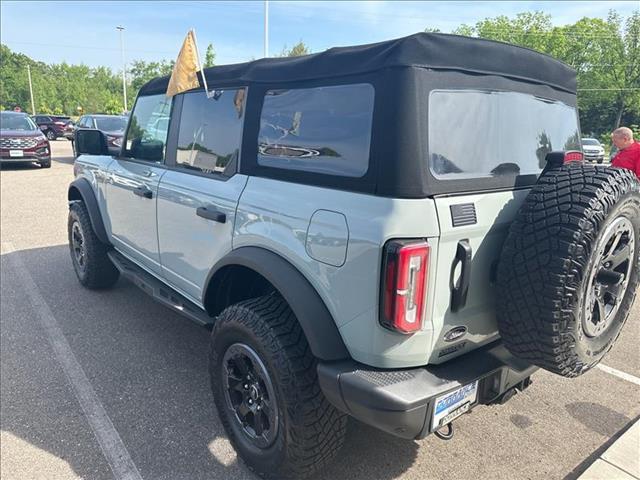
point(569, 269)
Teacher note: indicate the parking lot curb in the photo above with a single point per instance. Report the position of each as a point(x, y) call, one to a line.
point(621, 461)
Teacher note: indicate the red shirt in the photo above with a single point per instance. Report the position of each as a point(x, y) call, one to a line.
point(628, 158)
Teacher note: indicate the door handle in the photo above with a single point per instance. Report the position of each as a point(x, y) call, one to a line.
point(143, 192)
point(211, 214)
point(460, 290)
point(146, 173)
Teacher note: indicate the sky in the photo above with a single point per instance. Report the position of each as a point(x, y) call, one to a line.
point(85, 32)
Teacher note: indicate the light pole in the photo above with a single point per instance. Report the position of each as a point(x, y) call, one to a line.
point(266, 28)
point(33, 105)
point(124, 68)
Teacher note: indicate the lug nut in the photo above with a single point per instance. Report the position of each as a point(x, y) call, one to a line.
point(246, 387)
point(250, 402)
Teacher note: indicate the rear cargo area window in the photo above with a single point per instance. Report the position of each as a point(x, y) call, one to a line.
point(323, 130)
point(475, 133)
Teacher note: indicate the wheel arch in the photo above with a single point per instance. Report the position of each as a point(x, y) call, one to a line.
point(313, 315)
point(81, 190)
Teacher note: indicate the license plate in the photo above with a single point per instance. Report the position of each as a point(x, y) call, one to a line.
point(451, 405)
point(16, 153)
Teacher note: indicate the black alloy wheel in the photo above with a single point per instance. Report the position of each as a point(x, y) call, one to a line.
point(249, 394)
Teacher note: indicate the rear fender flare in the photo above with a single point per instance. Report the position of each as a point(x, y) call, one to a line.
point(315, 319)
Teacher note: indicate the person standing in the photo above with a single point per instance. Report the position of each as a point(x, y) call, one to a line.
point(628, 155)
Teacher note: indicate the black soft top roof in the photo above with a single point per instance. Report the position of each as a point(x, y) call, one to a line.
point(427, 50)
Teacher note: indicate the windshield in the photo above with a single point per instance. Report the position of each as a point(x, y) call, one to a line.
point(111, 124)
point(12, 121)
point(590, 141)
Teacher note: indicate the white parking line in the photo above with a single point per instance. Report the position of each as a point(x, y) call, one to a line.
point(108, 438)
point(620, 374)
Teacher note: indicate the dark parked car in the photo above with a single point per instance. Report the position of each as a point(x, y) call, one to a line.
point(52, 125)
point(22, 141)
point(113, 126)
point(69, 129)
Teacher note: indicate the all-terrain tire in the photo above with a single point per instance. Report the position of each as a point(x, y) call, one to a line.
point(310, 431)
point(94, 268)
point(553, 260)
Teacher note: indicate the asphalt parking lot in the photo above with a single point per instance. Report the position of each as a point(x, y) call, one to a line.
point(146, 369)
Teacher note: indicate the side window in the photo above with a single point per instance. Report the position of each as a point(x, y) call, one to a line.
point(474, 134)
point(146, 137)
point(210, 131)
point(323, 130)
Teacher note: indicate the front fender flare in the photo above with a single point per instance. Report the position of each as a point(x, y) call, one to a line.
point(315, 319)
point(81, 189)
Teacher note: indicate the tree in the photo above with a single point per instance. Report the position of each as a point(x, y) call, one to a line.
point(141, 72)
point(297, 50)
point(209, 56)
point(605, 54)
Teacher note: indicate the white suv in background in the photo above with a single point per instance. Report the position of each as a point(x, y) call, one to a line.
point(593, 150)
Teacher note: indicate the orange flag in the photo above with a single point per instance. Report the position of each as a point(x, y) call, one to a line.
point(184, 75)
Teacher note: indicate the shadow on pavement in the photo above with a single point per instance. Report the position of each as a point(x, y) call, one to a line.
point(66, 160)
point(20, 166)
point(598, 418)
point(586, 463)
point(148, 367)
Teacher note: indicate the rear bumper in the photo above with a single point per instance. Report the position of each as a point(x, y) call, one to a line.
point(401, 402)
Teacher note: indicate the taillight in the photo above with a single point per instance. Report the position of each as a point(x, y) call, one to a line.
point(573, 156)
point(404, 269)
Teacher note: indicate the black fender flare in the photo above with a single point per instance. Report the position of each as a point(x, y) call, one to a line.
point(315, 319)
point(81, 189)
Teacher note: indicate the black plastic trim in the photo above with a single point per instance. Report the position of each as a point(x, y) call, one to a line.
point(460, 290)
point(85, 190)
point(160, 291)
point(312, 313)
point(401, 401)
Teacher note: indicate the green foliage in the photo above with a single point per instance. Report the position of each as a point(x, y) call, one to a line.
point(209, 56)
point(297, 50)
point(141, 72)
point(604, 52)
point(62, 88)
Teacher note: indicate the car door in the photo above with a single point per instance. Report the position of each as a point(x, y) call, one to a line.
point(198, 196)
point(133, 184)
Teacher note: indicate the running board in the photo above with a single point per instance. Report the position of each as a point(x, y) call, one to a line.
point(158, 290)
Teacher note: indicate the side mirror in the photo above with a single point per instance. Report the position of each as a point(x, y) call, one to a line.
point(90, 142)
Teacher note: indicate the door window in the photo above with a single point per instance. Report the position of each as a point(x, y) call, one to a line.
point(210, 131)
point(146, 139)
point(323, 130)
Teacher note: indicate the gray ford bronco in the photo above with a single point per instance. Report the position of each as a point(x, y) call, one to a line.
point(397, 232)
